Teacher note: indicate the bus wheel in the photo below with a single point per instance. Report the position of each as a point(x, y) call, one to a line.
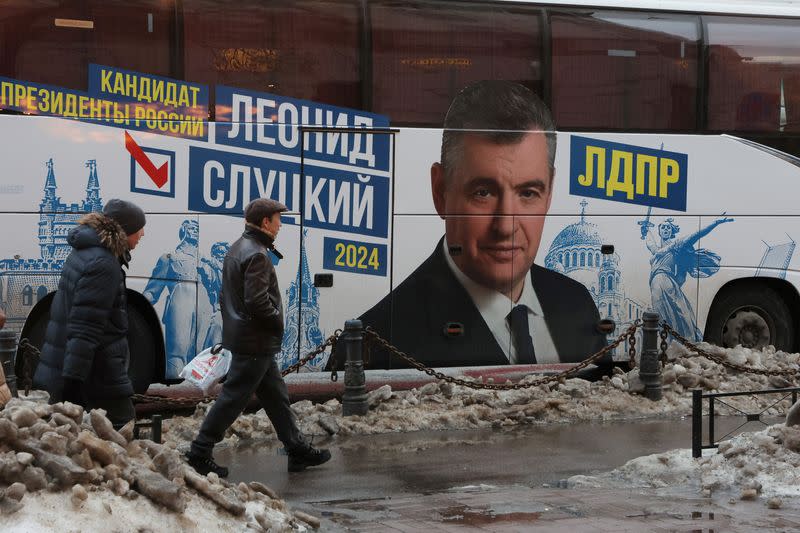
point(753, 316)
point(142, 350)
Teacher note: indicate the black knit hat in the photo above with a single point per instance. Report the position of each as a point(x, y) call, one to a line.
point(261, 208)
point(127, 214)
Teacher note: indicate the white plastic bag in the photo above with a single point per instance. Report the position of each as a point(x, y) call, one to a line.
point(207, 368)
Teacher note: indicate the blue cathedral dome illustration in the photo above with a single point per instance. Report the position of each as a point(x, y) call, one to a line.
point(579, 234)
point(575, 251)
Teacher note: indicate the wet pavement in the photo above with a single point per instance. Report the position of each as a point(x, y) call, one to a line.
point(498, 480)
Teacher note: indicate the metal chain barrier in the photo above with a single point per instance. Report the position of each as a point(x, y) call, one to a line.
point(371, 338)
point(31, 352)
point(632, 347)
point(377, 340)
point(663, 355)
point(719, 359)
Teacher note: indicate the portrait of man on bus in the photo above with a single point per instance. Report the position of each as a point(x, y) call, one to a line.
point(479, 299)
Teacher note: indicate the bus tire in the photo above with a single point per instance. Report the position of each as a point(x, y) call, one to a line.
point(142, 345)
point(753, 315)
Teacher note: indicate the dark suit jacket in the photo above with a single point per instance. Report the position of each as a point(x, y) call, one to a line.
point(414, 316)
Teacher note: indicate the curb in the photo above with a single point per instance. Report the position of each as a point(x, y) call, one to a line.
point(318, 387)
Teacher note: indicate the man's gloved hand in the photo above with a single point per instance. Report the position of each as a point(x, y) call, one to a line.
point(73, 392)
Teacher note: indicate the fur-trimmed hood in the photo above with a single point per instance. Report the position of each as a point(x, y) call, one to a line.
point(96, 229)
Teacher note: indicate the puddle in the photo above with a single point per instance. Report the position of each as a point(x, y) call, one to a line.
point(465, 515)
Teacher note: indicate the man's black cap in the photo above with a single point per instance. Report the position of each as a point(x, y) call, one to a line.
point(261, 208)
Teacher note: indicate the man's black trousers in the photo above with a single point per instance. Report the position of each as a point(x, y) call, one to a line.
point(247, 375)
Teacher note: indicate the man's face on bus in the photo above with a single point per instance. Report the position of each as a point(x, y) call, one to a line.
point(494, 204)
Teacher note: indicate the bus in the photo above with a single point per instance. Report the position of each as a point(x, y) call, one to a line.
point(668, 181)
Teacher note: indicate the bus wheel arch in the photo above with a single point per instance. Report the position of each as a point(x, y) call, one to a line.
point(147, 352)
point(754, 312)
point(148, 356)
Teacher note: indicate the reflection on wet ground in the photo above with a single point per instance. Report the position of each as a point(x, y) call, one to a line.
point(438, 460)
point(462, 514)
point(492, 480)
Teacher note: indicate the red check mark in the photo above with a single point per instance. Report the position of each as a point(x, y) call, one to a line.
point(159, 175)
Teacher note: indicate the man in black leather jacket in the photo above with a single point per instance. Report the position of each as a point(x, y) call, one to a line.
point(252, 329)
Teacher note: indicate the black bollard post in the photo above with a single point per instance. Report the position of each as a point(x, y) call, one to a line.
point(697, 423)
point(8, 349)
point(649, 364)
point(155, 432)
point(354, 400)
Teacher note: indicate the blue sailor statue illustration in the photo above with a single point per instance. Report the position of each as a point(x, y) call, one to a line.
point(172, 272)
point(672, 260)
point(210, 271)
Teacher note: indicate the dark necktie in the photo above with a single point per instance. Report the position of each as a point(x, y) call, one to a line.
point(521, 335)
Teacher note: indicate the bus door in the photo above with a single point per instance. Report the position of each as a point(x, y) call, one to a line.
point(218, 233)
point(340, 264)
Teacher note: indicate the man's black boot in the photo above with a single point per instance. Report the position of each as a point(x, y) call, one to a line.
point(306, 456)
point(203, 465)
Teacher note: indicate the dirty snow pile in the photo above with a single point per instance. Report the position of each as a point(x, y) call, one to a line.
point(692, 370)
point(65, 470)
point(762, 465)
point(442, 406)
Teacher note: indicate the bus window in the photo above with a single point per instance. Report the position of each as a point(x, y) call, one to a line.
point(754, 74)
point(424, 53)
point(303, 49)
point(54, 42)
point(625, 71)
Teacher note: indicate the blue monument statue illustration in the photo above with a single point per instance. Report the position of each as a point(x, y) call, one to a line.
point(24, 282)
point(575, 252)
point(175, 273)
point(210, 271)
point(302, 318)
point(672, 260)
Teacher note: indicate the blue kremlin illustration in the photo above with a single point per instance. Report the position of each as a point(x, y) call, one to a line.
point(302, 319)
point(23, 282)
point(175, 277)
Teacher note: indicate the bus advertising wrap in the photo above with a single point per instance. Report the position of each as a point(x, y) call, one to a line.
point(119, 98)
point(493, 240)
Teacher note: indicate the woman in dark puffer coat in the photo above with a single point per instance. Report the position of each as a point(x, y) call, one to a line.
point(85, 356)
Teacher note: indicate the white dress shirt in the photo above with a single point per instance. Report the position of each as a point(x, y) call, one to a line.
point(494, 307)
